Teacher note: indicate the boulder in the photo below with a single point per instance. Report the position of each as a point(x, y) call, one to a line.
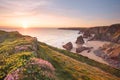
point(80, 40)
point(68, 46)
point(80, 49)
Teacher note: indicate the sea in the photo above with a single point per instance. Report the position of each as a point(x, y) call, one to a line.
point(51, 36)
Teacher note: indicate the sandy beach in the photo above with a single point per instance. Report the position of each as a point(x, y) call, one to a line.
point(91, 55)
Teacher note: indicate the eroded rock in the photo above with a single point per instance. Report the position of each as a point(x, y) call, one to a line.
point(68, 46)
point(80, 49)
point(80, 40)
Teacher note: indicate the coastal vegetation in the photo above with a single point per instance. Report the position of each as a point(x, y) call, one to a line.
point(25, 58)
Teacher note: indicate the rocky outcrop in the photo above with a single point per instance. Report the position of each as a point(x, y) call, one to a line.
point(80, 40)
point(68, 46)
point(104, 33)
point(80, 49)
point(116, 37)
point(110, 53)
point(33, 46)
point(87, 34)
point(19, 42)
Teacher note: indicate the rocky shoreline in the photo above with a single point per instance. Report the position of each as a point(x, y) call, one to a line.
point(103, 33)
point(109, 34)
point(113, 63)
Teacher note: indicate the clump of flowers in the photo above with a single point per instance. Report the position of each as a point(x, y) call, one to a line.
point(35, 69)
point(14, 62)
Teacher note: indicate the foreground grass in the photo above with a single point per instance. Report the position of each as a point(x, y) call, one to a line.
point(68, 68)
point(86, 60)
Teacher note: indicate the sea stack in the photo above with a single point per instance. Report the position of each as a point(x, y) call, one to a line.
point(80, 40)
point(68, 46)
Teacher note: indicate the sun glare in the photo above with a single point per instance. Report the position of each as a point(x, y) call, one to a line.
point(25, 24)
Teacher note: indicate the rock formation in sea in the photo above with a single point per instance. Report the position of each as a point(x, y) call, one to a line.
point(82, 48)
point(80, 40)
point(68, 46)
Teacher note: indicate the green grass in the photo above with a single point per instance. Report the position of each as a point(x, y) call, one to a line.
point(68, 68)
point(8, 47)
point(88, 61)
point(10, 60)
point(61, 73)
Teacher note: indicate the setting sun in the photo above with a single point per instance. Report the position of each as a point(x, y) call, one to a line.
point(25, 24)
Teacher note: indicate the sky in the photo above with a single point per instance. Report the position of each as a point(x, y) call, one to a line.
point(59, 13)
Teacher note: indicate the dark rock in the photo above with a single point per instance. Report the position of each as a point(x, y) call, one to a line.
point(80, 49)
point(80, 40)
point(113, 61)
point(89, 51)
point(68, 46)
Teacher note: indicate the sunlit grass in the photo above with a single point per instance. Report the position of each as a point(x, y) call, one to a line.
point(70, 68)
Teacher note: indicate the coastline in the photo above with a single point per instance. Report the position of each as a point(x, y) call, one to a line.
point(64, 38)
point(91, 54)
point(55, 42)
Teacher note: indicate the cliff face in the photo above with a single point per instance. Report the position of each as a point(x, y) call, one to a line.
point(105, 33)
point(110, 52)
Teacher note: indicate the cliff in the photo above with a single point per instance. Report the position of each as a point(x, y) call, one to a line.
point(110, 52)
point(105, 33)
point(25, 58)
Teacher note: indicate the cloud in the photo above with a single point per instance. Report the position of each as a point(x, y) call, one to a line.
point(14, 6)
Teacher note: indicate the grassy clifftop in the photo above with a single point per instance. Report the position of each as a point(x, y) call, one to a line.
point(29, 59)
